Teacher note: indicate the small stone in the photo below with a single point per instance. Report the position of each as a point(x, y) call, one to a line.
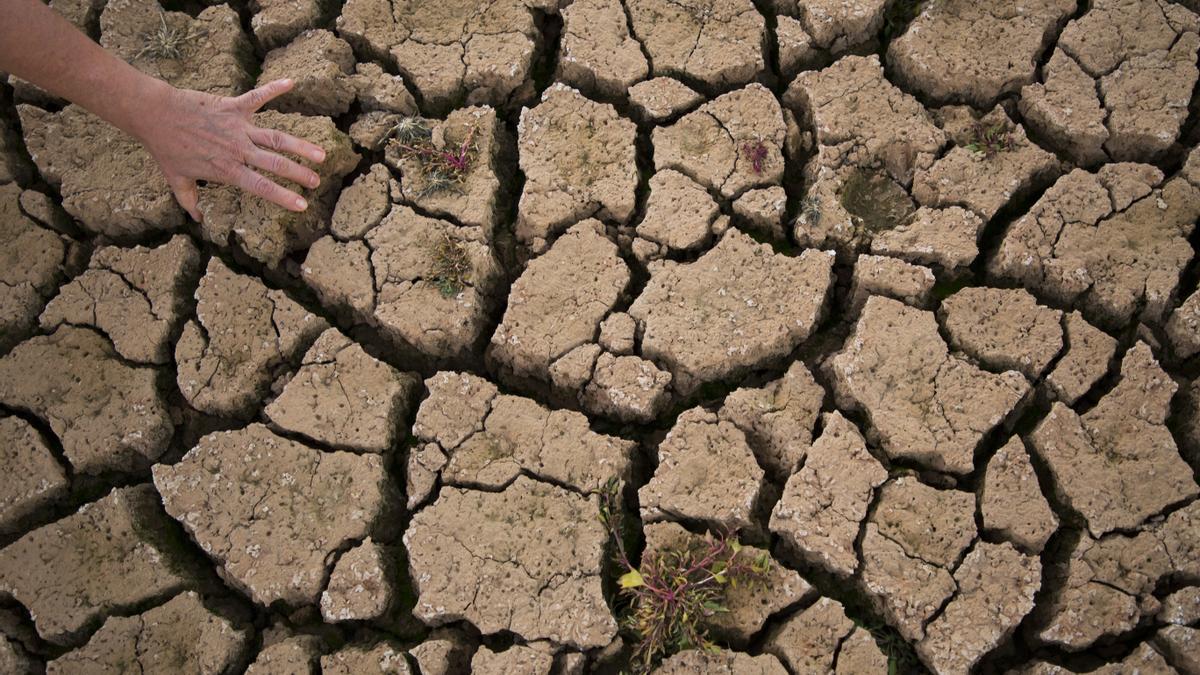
point(617, 333)
point(679, 212)
point(574, 370)
point(424, 466)
point(138, 297)
point(731, 144)
point(860, 653)
point(45, 211)
point(242, 335)
point(777, 418)
point(321, 65)
point(361, 587)
point(763, 211)
point(1003, 329)
point(109, 557)
point(628, 388)
point(1181, 607)
point(464, 547)
point(797, 49)
point(35, 480)
point(661, 98)
point(1183, 328)
point(718, 42)
point(1181, 647)
point(270, 511)
point(376, 89)
point(384, 658)
point(558, 302)
point(1011, 500)
point(297, 654)
point(1089, 351)
point(597, 54)
point(276, 22)
point(739, 306)
point(996, 585)
point(445, 652)
point(109, 415)
point(1117, 464)
point(923, 402)
point(944, 238)
point(749, 604)
point(344, 398)
point(364, 204)
point(825, 503)
point(706, 472)
point(578, 157)
point(181, 632)
point(890, 278)
point(516, 660)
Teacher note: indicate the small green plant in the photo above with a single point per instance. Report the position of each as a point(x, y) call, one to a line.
point(443, 169)
point(989, 140)
point(451, 265)
point(167, 42)
point(676, 590)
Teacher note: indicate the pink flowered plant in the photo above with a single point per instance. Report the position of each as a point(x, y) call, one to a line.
point(756, 152)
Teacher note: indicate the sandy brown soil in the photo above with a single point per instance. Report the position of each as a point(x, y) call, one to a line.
point(904, 292)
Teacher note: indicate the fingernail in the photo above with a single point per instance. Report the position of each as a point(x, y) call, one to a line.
point(320, 155)
point(301, 204)
point(316, 180)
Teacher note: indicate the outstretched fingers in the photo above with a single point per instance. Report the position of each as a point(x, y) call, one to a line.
point(276, 140)
point(256, 98)
point(256, 184)
point(283, 167)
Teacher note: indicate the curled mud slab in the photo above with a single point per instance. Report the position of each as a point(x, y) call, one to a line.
point(902, 294)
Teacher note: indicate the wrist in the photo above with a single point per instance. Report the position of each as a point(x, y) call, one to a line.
point(146, 108)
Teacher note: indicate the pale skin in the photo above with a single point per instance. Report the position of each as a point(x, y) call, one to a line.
point(192, 135)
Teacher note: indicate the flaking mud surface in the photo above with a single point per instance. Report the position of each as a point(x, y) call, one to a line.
point(903, 292)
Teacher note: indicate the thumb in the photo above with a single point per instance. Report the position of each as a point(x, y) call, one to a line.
point(188, 197)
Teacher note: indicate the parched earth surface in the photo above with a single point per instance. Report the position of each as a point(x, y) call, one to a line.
point(903, 292)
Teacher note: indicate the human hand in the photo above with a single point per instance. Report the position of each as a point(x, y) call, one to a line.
point(198, 136)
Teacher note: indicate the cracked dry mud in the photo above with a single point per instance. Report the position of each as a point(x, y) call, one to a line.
point(903, 293)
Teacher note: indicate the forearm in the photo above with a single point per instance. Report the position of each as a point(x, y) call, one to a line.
point(38, 45)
